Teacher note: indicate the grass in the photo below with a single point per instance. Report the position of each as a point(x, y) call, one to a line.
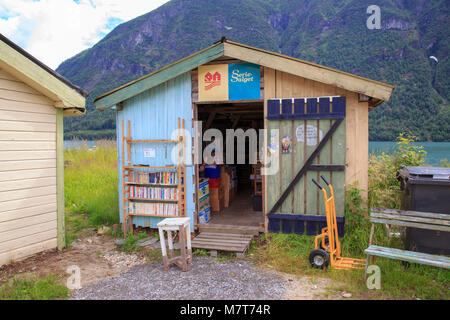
point(91, 187)
point(46, 288)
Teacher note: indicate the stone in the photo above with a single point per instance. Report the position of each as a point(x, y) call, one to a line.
point(146, 241)
point(120, 242)
point(347, 295)
point(103, 230)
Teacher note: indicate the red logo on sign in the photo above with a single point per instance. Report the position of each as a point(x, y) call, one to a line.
point(212, 80)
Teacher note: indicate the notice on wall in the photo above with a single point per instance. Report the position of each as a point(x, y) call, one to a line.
point(149, 153)
point(311, 134)
point(222, 82)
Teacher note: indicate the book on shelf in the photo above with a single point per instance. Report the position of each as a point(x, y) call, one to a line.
point(156, 193)
point(156, 209)
point(163, 177)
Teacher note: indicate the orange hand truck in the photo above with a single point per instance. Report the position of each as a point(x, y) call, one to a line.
point(329, 251)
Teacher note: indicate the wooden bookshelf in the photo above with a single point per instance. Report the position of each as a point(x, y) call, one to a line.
point(129, 168)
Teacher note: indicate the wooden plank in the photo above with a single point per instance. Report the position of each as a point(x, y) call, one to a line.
point(27, 164)
point(60, 179)
point(26, 116)
point(12, 225)
point(411, 219)
point(27, 126)
point(218, 247)
point(22, 253)
point(19, 86)
point(160, 76)
point(410, 256)
point(21, 106)
point(26, 145)
point(28, 212)
point(27, 174)
point(225, 242)
point(18, 233)
point(24, 97)
point(27, 155)
point(27, 203)
point(306, 165)
point(235, 235)
point(309, 70)
point(27, 240)
point(27, 183)
point(26, 136)
point(411, 224)
point(27, 193)
point(34, 75)
point(227, 239)
point(431, 215)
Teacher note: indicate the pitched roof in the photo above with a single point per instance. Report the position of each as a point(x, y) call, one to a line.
point(371, 88)
point(37, 75)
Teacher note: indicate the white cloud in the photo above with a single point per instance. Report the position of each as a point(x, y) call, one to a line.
point(54, 30)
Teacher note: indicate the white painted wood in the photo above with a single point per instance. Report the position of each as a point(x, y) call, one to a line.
point(13, 85)
point(27, 164)
point(27, 174)
point(24, 97)
point(26, 107)
point(27, 155)
point(27, 183)
point(18, 232)
point(28, 240)
point(26, 145)
point(22, 253)
point(27, 212)
point(27, 136)
point(27, 126)
point(6, 196)
point(26, 117)
point(10, 226)
point(27, 203)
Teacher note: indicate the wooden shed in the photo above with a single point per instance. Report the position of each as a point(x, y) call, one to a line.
point(33, 101)
point(320, 114)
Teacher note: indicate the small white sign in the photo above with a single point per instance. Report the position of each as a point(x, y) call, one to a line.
point(311, 134)
point(149, 153)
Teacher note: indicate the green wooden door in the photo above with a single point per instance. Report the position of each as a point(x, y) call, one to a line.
point(308, 138)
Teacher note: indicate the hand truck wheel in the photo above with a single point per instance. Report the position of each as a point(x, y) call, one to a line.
point(319, 258)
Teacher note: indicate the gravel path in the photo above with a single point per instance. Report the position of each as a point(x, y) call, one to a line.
point(205, 279)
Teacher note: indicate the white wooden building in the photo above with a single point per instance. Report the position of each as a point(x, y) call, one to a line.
point(33, 101)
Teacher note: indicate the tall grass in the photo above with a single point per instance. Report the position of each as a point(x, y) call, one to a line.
point(91, 183)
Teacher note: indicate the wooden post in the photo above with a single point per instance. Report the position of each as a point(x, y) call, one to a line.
point(61, 236)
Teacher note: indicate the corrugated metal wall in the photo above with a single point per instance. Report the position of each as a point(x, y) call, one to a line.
point(154, 115)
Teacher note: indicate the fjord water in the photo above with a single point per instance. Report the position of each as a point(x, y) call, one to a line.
point(436, 151)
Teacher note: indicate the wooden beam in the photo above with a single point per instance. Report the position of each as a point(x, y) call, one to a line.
point(309, 70)
point(211, 117)
point(236, 121)
point(160, 76)
point(61, 235)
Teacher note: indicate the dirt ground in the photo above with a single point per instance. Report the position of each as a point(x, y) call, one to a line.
point(98, 258)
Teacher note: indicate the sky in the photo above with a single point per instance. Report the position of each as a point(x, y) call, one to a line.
point(55, 30)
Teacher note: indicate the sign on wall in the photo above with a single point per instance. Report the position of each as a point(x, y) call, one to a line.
point(222, 82)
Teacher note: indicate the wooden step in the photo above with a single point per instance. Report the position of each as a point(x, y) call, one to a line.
point(229, 229)
point(222, 241)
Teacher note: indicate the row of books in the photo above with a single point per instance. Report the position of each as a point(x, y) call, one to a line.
point(158, 209)
point(156, 193)
point(164, 177)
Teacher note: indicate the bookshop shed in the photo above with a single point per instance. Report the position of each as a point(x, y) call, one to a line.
point(33, 101)
point(308, 120)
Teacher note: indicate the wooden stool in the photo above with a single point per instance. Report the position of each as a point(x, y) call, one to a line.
point(183, 225)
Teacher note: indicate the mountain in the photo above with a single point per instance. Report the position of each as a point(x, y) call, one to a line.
point(328, 32)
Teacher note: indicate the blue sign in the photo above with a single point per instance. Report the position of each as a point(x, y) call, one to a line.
point(244, 81)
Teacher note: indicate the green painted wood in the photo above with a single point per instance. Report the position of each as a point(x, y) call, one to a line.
point(410, 256)
point(299, 159)
point(338, 177)
point(161, 76)
point(411, 219)
point(286, 166)
point(411, 224)
point(273, 180)
point(312, 192)
point(324, 158)
point(61, 235)
point(431, 215)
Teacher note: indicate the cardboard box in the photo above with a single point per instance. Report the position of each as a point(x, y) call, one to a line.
point(215, 199)
point(204, 215)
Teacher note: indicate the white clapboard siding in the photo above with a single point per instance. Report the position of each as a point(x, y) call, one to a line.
point(12, 225)
point(25, 145)
point(27, 164)
point(27, 155)
point(26, 212)
point(27, 136)
point(22, 253)
point(27, 203)
point(28, 126)
point(27, 183)
point(20, 106)
point(29, 239)
point(27, 174)
point(28, 200)
point(6, 196)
